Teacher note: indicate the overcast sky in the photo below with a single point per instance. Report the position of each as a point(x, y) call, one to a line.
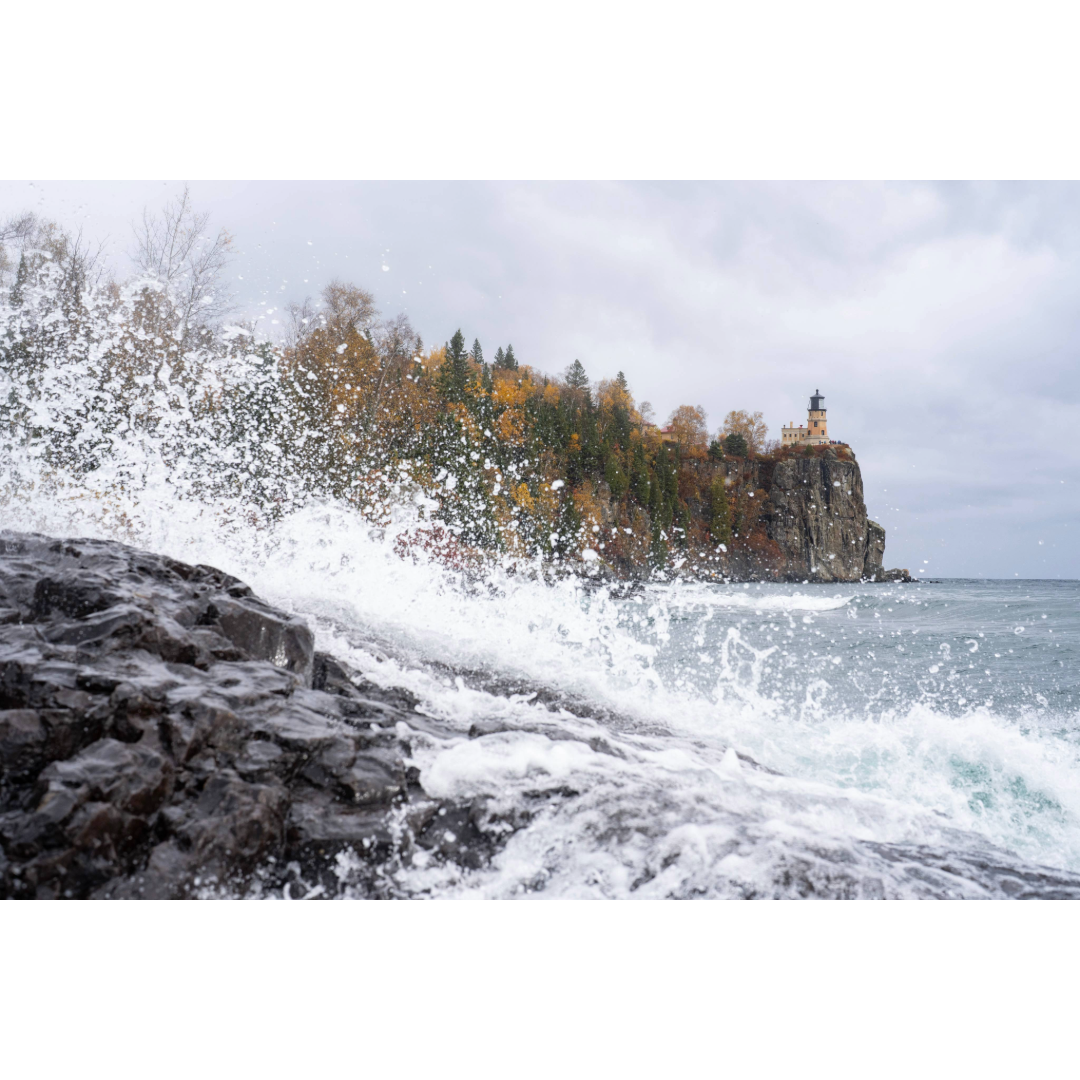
point(940, 321)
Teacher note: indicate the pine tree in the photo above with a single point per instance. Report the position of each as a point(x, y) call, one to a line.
point(576, 377)
point(509, 360)
point(569, 525)
point(680, 520)
point(736, 445)
point(614, 475)
point(655, 499)
point(621, 383)
point(639, 476)
point(658, 549)
point(720, 518)
point(477, 352)
point(500, 358)
point(454, 374)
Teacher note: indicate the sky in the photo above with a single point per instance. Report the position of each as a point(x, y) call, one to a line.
point(939, 320)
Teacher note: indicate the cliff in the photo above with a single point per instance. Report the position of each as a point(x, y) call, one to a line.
point(815, 516)
point(794, 517)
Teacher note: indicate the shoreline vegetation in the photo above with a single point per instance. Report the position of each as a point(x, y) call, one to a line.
point(107, 382)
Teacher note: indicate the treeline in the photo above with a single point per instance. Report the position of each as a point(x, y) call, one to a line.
point(124, 385)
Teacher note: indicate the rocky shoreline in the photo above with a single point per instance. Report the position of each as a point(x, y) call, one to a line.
point(165, 732)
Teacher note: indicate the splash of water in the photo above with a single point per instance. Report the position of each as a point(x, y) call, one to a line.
point(686, 739)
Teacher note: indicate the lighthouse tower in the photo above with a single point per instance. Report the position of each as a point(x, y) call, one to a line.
point(816, 432)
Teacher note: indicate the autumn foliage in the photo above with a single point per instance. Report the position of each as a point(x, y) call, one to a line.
point(498, 458)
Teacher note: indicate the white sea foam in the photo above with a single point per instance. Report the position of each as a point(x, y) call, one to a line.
point(631, 726)
point(683, 595)
point(661, 809)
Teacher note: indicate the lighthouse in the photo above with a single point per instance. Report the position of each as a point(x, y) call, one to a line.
point(816, 432)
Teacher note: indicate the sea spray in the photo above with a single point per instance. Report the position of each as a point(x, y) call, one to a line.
point(680, 740)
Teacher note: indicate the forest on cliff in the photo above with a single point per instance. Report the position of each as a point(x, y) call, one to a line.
point(349, 406)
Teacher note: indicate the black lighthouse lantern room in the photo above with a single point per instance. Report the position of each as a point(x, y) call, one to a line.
point(817, 402)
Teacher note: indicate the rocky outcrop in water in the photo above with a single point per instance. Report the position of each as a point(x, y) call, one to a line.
point(162, 731)
point(801, 517)
point(815, 515)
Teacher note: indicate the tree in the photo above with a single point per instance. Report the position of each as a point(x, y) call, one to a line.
point(454, 373)
point(615, 477)
point(656, 501)
point(16, 297)
point(17, 230)
point(576, 377)
point(396, 343)
point(569, 526)
point(639, 476)
point(751, 426)
point(174, 249)
point(688, 425)
point(477, 352)
point(720, 512)
point(735, 445)
point(347, 308)
point(506, 361)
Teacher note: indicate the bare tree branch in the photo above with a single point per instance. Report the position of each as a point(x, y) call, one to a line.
point(176, 249)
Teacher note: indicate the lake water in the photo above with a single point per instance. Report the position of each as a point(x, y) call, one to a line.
point(687, 739)
point(692, 740)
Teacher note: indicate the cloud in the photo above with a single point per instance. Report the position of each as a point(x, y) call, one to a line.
point(939, 319)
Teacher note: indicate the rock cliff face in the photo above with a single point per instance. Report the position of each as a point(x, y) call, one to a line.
point(815, 514)
point(801, 518)
point(162, 730)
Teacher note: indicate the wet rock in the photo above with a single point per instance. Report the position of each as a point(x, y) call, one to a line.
point(800, 518)
point(892, 575)
point(163, 731)
point(264, 634)
point(816, 515)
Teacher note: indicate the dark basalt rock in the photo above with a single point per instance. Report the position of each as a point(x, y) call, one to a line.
point(893, 575)
point(816, 515)
point(162, 729)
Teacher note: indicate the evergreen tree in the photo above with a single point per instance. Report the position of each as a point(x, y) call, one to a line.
point(655, 500)
point(569, 525)
point(500, 358)
point(668, 476)
point(620, 425)
point(454, 374)
point(576, 377)
point(621, 383)
point(614, 475)
point(477, 352)
point(639, 476)
point(658, 549)
point(720, 512)
point(716, 451)
point(680, 520)
point(736, 445)
point(509, 359)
